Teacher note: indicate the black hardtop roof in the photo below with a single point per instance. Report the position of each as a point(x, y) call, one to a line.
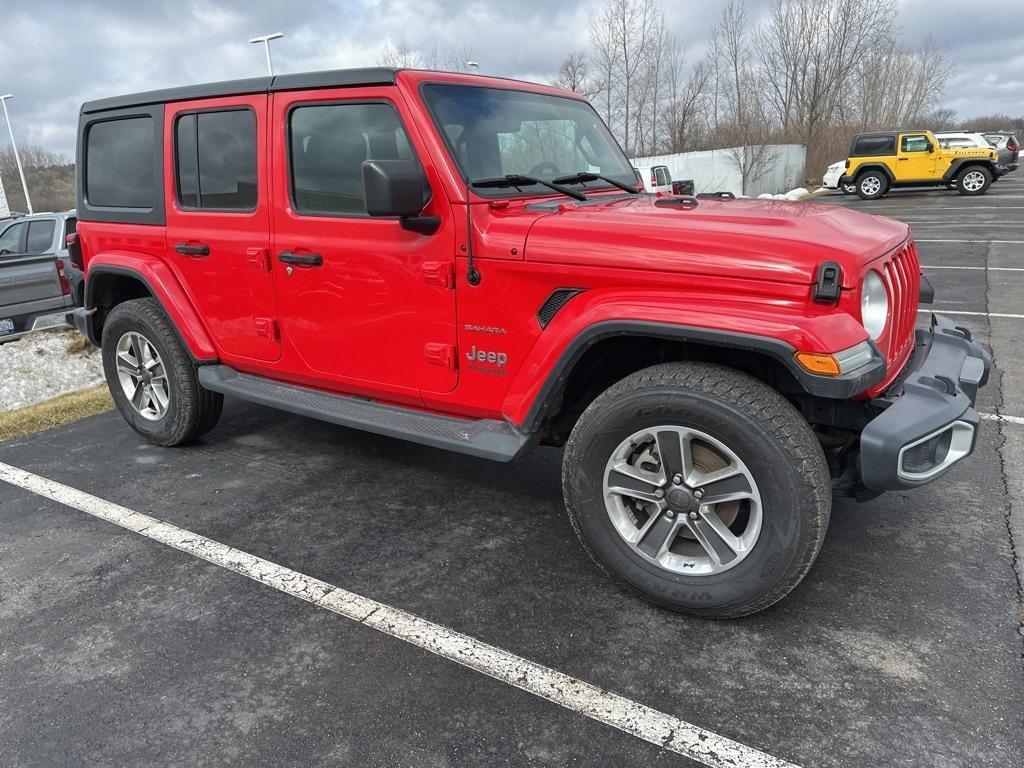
point(336, 78)
point(891, 133)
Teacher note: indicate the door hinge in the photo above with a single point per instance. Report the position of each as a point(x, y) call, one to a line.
point(441, 273)
point(267, 328)
point(259, 258)
point(440, 354)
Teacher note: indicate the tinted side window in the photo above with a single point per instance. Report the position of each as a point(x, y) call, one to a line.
point(328, 144)
point(40, 236)
point(10, 240)
point(216, 160)
point(875, 145)
point(914, 144)
point(119, 164)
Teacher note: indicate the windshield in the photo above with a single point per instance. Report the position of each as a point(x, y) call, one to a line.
point(493, 132)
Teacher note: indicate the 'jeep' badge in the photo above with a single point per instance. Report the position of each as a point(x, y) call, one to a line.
point(483, 361)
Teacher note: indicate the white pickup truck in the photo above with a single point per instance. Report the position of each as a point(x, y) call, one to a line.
point(35, 292)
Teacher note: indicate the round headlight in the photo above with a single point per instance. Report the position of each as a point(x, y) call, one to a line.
point(874, 304)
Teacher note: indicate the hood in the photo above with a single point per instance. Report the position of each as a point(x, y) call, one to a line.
point(745, 238)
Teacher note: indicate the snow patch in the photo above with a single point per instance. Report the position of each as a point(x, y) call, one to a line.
point(39, 367)
point(794, 194)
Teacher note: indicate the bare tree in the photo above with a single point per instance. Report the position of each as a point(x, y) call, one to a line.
point(574, 75)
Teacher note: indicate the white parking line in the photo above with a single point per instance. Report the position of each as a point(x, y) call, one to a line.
point(983, 269)
point(996, 242)
point(1018, 420)
point(636, 719)
point(969, 314)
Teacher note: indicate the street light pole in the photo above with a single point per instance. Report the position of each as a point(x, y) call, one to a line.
point(265, 39)
point(14, 148)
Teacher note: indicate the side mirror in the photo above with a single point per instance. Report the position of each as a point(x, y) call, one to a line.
point(399, 188)
point(931, 147)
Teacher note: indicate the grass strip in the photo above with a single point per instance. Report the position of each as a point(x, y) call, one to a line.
point(54, 413)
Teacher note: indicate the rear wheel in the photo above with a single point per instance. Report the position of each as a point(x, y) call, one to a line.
point(152, 378)
point(973, 180)
point(699, 488)
point(872, 185)
point(848, 189)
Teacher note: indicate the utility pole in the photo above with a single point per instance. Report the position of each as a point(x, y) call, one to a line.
point(14, 148)
point(265, 39)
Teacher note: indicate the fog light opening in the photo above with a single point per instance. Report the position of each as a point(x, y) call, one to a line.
point(934, 453)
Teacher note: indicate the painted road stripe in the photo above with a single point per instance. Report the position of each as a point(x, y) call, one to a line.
point(1018, 420)
point(969, 314)
point(984, 269)
point(636, 719)
point(983, 242)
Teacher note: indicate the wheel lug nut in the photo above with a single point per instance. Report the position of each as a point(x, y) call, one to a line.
point(670, 514)
point(659, 494)
point(698, 494)
point(693, 515)
point(677, 479)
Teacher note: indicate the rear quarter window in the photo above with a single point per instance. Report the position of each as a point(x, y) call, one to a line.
point(875, 145)
point(119, 164)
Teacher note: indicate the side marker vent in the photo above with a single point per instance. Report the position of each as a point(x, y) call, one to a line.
point(551, 306)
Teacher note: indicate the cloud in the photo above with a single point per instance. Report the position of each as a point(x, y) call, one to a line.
point(58, 53)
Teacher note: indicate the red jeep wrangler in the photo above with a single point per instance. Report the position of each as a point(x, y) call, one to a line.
point(468, 263)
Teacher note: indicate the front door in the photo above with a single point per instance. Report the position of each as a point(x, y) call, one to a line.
point(916, 158)
point(363, 300)
point(218, 219)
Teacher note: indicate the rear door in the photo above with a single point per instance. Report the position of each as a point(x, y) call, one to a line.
point(218, 219)
point(374, 306)
point(29, 284)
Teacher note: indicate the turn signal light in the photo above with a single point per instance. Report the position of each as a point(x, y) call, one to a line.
point(823, 365)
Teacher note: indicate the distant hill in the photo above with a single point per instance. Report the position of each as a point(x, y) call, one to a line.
point(50, 178)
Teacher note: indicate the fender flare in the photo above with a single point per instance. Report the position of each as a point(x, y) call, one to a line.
point(162, 286)
point(958, 165)
point(541, 379)
point(875, 167)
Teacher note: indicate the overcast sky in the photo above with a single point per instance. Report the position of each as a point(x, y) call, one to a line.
point(58, 53)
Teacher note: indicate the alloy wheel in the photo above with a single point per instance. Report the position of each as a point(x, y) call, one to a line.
point(682, 500)
point(143, 376)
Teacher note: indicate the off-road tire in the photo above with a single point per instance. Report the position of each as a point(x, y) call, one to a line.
point(876, 192)
point(971, 173)
point(763, 428)
point(848, 189)
point(192, 410)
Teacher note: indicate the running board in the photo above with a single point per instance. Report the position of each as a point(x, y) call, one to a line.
point(485, 438)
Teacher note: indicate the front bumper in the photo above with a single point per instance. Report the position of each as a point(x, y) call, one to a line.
point(929, 422)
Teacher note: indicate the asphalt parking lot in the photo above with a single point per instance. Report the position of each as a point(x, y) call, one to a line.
point(903, 647)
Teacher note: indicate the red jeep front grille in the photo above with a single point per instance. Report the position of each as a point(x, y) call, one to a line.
point(901, 272)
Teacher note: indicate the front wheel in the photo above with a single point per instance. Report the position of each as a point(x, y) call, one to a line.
point(848, 189)
point(974, 180)
point(699, 488)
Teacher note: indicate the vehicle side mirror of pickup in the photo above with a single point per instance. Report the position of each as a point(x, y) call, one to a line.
point(931, 147)
point(399, 188)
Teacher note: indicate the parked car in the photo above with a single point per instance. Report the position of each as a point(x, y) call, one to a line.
point(832, 176)
point(958, 140)
point(886, 160)
point(35, 292)
point(1007, 146)
point(393, 250)
point(655, 178)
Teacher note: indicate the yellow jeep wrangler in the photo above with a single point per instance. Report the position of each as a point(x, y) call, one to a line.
point(882, 161)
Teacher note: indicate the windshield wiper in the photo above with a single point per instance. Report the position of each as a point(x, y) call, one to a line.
point(583, 178)
point(518, 180)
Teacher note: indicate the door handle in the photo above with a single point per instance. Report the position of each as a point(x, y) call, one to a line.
point(202, 249)
point(301, 259)
point(902, 159)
